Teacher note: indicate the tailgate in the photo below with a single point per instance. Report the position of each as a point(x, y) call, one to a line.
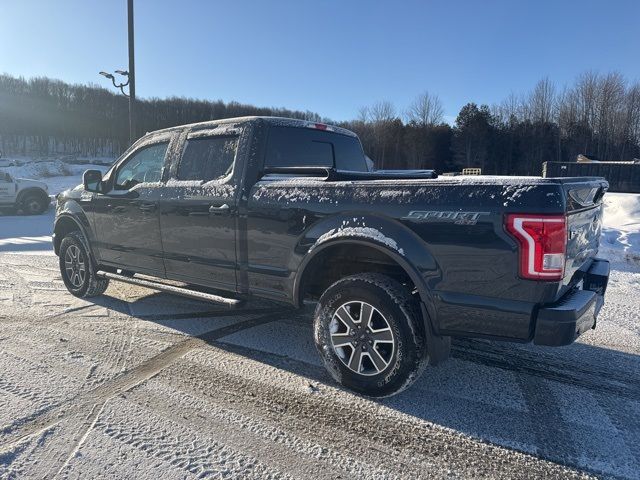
point(584, 221)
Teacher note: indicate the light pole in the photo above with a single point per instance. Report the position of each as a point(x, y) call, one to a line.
point(130, 76)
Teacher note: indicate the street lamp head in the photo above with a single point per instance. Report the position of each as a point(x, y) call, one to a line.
point(123, 73)
point(107, 75)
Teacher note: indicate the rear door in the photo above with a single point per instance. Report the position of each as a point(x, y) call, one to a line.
point(273, 233)
point(198, 217)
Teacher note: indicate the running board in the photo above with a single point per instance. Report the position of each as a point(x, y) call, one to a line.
point(163, 287)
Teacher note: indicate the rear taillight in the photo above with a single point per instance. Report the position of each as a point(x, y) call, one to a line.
point(543, 244)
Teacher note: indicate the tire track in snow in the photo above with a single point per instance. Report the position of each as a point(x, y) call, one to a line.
point(22, 294)
point(552, 436)
point(169, 441)
point(521, 361)
point(72, 310)
point(269, 389)
point(269, 442)
point(129, 379)
point(84, 429)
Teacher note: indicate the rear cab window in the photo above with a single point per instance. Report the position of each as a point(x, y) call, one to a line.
point(207, 159)
point(307, 147)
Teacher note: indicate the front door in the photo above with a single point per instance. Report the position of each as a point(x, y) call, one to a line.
point(7, 188)
point(198, 217)
point(126, 218)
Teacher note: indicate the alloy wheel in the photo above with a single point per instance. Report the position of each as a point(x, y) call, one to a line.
point(75, 267)
point(362, 338)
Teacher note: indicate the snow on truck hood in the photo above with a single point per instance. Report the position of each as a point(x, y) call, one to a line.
point(26, 182)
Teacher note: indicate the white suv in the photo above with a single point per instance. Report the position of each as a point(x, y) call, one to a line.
point(29, 196)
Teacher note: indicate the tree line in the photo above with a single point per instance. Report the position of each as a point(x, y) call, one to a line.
point(599, 115)
point(43, 117)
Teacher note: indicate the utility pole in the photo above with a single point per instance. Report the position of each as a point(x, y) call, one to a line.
point(132, 76)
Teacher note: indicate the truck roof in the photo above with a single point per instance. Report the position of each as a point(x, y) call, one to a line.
point(277, 121)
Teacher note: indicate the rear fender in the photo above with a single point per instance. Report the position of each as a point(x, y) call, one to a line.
point(386, 235)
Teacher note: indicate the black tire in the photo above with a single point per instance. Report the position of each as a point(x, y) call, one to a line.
point(84, 285)
point(400, 348)
point(33, 204)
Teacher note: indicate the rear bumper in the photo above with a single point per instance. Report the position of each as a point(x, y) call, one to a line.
point(576, 312)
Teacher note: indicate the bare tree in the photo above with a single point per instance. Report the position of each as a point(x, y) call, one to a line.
point(633, 114)
point(364, 115)
point(541, 101)
point(610, 115)
point(376, 127)
point(426, 110)
point(382, 111)
point(511, 110)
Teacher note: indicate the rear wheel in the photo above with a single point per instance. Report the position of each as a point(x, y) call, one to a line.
point(370, 335)
point(33, 205)
point(77, 269)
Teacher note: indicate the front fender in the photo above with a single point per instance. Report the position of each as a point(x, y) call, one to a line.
point(70, 211)
point(382, 233)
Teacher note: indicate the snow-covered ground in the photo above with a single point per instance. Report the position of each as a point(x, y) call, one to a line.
point(621, 227)
point(137, 384)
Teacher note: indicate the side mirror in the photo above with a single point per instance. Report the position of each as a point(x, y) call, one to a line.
point(92, 180)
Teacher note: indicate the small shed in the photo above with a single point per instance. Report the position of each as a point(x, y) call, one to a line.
point(622, 176)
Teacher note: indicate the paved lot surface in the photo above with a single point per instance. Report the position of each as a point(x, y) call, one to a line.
point(137, 384)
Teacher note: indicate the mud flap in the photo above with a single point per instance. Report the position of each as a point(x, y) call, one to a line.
point(596, 280)
point(438, 346)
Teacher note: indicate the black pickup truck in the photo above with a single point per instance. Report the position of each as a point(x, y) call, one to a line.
point(398, 262)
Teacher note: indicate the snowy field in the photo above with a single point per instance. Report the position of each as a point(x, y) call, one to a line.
point(138, 384)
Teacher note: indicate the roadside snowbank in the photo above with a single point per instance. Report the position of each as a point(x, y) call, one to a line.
point(621, 227)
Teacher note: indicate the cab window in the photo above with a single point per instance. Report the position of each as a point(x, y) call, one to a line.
point(209, 158)
point(143, 166)
point(307, 147)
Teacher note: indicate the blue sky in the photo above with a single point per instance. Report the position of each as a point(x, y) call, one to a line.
point(331, 57)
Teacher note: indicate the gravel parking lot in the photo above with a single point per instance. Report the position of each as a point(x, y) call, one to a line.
point(137, 384)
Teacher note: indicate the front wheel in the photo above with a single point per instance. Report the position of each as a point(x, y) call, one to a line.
point(34, 204)
point(77, 269)
point(370, 335)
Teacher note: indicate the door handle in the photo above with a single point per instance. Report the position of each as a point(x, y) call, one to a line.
point(221, 210)
point(147, 207)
